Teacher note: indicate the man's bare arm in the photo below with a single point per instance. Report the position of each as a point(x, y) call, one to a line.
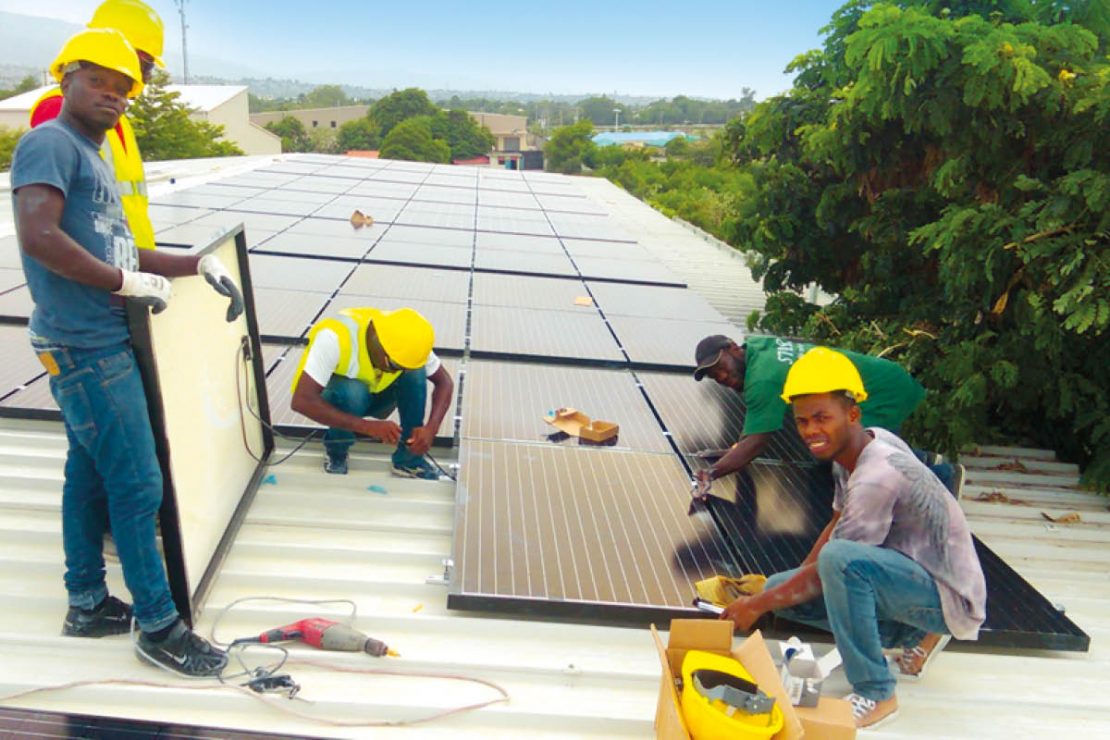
point(38, 219)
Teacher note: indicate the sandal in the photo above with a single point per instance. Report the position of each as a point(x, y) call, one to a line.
point(919, 658)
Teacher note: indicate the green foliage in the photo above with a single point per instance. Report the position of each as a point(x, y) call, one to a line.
point(400, 106)
point(294, 137)
point(465, 137)
point(27, 84)
point(164, 130)
point(569, 148)
point(8, 139)
point(360, 134)
point(412, 139)
point(683, 110)
point(325, 96)
point(937, 166)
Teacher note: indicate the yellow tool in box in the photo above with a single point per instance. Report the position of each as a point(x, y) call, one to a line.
point(723, 590)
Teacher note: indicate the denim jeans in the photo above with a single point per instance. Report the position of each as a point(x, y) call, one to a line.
point(873, 597)
point(408, 394)
point(111, 474)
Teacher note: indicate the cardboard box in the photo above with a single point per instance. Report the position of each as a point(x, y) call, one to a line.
point(831, 719)
point(715, 636)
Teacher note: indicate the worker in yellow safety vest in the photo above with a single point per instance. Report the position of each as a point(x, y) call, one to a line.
point(142, 27)
point(364, 362)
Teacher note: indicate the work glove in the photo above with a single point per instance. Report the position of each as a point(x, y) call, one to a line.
point(146, 289)
point(218, 277)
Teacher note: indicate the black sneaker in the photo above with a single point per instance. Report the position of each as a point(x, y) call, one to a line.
point(335, 464)
point(182, 651)
point(112, 617)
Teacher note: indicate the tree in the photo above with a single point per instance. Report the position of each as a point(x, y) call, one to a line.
point(164, 130)
point(569, 148)
point(27, 84)
point(325, 96)
point(8, 139)
point(412, 139)
point(599, 109)
point(360, 134)
point(399, 106)
point(938, 166)
point(294, 137)
point(462, 133)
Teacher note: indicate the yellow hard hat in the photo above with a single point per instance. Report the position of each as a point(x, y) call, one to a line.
point(823, 370)
point(138, 23)
point(720, 700)
point(104, 47)
point(406, 336)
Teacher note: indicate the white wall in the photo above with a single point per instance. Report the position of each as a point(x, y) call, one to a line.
point(233, 115)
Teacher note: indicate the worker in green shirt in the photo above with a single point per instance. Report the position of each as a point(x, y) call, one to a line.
point(757, 369)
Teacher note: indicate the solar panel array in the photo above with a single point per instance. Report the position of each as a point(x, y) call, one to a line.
point(540, 300)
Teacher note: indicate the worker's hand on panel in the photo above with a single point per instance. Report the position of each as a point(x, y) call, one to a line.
point(741, 613)
point(421, 440)
point(386, 431)
point(710, 454)
point(702, 483)
point(220, 279)
point(146, 289)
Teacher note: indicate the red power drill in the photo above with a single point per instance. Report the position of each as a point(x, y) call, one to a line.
point(326, 634)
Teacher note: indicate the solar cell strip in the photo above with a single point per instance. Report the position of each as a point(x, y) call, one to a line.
point(20, 365)
point(16, 304)
point(508, 401)
point(669, 343)
point(599, 527)
point(524, 291)
point(287, 313)
point(532, 332)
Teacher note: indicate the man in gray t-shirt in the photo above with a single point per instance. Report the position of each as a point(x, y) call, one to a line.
point(896, 565)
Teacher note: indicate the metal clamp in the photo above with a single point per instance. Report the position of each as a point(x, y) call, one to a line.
point(738, 694)
point(445, 579)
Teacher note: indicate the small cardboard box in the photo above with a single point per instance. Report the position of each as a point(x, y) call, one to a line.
point(831, 719)
point(802, 673)
point(715, 636)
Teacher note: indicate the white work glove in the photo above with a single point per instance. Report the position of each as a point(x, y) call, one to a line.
point(146, 289)
point(212, 270)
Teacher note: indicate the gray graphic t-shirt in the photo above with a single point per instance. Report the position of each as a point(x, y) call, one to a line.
point(67, 313)
point(892, 500)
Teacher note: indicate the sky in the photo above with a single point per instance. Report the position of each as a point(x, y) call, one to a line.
point(712, 48)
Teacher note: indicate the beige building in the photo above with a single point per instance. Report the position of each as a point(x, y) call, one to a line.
point(310, 118)
point(223, 105)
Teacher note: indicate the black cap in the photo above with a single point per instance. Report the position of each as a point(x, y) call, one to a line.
point(709, 352)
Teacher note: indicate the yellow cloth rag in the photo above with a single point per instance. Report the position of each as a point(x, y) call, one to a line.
point(723, 590)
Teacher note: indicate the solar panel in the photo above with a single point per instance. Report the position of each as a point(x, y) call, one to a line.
point(20, 366)
point(425, 235)
point(295, 196)
point(189, 235)
point(663, 341)
point(569, 531)
point(10, 278)
point(389, 250)
point(443, 194)
point(518, 243)
point(313, 184)
point(554, 294)
point(317, 245)
point(291, 167)
point(279, 207)
point(630, 271)
point(10, 253)
point(280, 379)
point(587, 227)
point(526, 332)
point(165, 216)
point(16, 303)
point(525, 262)
point(513, 221)
point(410, 283)
point(507, 200)
point(377, 189)
point(461, 217)
point(295, 273)
point(618, 299)
point(196, 200)
point(508, 401)
point(379, 209)
point(448, 319)
point(568, 204)
point(32, 400)
point(624, 251)
point(251, 221)
point(287, 313)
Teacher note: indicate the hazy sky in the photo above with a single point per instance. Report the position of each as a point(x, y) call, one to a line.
point(711, 48)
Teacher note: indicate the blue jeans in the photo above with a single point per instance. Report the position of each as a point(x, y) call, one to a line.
point(111, 474)
point(408, 394)
point(873, 597)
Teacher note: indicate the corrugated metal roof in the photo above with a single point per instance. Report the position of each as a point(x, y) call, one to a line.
point(308, 537)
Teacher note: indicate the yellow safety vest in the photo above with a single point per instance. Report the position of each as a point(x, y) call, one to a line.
point(350, 326)
point(124, 157)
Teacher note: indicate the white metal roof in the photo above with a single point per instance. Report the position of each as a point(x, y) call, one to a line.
point(24, 100)
point(308, 537)
point(206, 97)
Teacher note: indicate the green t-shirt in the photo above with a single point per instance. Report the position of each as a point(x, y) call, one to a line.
point(892, 394)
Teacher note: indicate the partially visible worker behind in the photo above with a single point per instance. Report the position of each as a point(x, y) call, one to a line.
point(757, 369)
point(81, 264)
point(894, 567)
point(363, 362)
point(142, 27)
